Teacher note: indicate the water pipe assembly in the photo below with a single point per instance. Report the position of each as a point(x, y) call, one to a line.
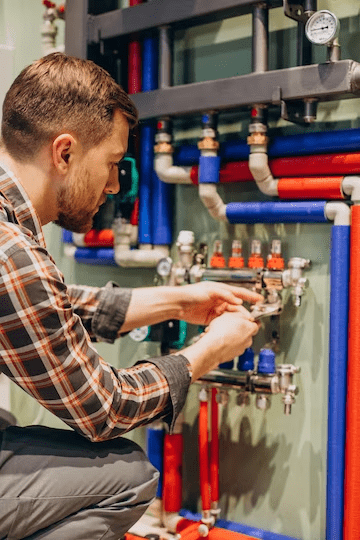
point(306, 178)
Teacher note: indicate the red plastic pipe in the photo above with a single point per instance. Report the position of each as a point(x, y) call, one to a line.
point(328, 187)
point(134, 61)
point(352, 451)
point(204, 456)
point(189, 531)
point(298, 166)
point(103, 238)
point(214, 448)
point(172, 475)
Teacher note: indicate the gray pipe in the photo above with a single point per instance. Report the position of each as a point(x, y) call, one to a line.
point(260, 38)
point(165, 49)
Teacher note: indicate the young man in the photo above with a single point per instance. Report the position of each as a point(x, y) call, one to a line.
point(65, 127)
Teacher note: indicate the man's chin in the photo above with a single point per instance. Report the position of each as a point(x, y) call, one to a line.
point(74, 227)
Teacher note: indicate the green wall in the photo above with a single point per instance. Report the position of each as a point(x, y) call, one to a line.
point(273, 467)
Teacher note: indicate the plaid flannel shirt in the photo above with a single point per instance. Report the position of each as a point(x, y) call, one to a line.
point(46, 330)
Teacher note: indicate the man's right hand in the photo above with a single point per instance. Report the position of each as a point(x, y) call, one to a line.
point(226, 336)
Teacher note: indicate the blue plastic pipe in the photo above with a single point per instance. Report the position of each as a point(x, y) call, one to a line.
point(277, 212)
point(155, 451)
point(66, 236)
point(147, 135)
point(346, 140)
point(157, 207)
point(96, 256)
point(209, 169)
point(338, 345)
point(238, 527)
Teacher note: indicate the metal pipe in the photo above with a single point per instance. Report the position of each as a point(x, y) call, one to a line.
point(260, 38)
point(165, 57)
point(228, 275)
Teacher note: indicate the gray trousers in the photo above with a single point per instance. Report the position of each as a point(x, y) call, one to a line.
point(56, 485)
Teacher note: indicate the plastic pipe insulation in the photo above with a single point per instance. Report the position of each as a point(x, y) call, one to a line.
point(277, 212)
point(96, 256)
point(160, 202)
point(327, 142)
point(204, 455)
point(338, 349)
point(172, 476)
point(352, 452)
point(155, 451)
point(214, 451)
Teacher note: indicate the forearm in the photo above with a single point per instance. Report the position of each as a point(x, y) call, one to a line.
point(152, 305)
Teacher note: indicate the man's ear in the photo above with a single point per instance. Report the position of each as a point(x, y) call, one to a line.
point(63, 149)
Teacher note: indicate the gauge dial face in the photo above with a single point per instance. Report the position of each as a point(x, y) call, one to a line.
point(139, 334)
point(322, 27)
point(164, 267)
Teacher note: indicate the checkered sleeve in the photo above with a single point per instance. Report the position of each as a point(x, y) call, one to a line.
point(102, 310)
point(46, 350)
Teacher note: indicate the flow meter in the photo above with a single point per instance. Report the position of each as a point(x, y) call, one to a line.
point(322, 27)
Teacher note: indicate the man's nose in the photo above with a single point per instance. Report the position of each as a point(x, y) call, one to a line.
point(113, 185)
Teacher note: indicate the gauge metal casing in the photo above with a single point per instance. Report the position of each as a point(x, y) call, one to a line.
point(164, 267)
point(322, 27)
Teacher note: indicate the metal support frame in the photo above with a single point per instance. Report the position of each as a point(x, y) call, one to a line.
point(152, 15)
point(322, 82)
point(76, 28)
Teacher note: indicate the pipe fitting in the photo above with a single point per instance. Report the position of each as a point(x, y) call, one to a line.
point(213, 202)
point(259, 168)
point(351, 186)
point(338, 212)
point(169, 173)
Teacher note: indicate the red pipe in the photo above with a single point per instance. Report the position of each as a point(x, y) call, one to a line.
point(189, 531)
point(298, 166)
point(204, 456)
point(352, 451)
point(311, 188)
point(103, 238)
point(172, 476)
point(134, 61)
point(214, 448)
point(224, 534)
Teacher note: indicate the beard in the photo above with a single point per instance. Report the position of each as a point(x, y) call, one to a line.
point(73, 201)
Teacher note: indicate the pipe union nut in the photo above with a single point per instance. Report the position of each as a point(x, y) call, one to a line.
point(163, 148)
point(257, 138)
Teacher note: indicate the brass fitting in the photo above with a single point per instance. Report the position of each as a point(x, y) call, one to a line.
point(257, 138)
point(163, 148)
point(208, 143)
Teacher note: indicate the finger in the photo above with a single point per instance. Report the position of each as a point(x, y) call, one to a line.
point(246, 295)
point(240, 309)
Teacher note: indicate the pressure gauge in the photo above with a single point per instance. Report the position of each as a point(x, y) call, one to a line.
point(322, 27)
point(164, 267)
point(139, 334)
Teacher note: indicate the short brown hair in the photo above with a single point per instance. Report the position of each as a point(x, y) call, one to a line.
point(56, 93)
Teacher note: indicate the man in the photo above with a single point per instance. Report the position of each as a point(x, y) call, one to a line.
point(65, 127)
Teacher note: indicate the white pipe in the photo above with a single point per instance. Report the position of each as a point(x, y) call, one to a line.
point(169, 173)
point(78, 239)
point(351, 186)
point(213, 202)
point(338, 212)
point(259, 168)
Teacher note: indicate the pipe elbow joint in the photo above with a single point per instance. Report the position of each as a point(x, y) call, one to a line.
point(169, 173)
point(338, 212)
point(259, 168)
point(213, 202)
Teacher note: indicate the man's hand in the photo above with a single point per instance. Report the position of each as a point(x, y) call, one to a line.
point(202, 302)
point(227, 336)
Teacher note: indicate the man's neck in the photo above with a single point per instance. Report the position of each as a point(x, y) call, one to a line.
point(37, 184)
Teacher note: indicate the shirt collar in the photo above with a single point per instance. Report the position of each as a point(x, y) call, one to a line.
point(23, 208)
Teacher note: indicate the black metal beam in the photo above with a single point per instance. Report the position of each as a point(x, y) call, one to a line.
point(323, 82)
point(157, 13)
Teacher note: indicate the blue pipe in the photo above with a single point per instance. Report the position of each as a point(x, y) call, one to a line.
point(209, 169)
point(338, 345)
point(346, 140)
point(277, 212)
point(159, 204)
point(238, 527)
point(146, 179)
point(66, 236)
point(155, 450)
point(95, 256)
